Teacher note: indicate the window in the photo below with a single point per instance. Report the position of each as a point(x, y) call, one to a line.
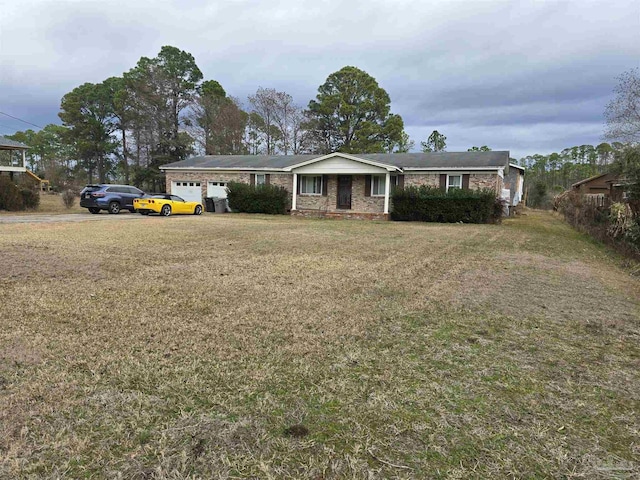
point(454, 181)
point(377, 185)
point(311, 184)
point(261, 179)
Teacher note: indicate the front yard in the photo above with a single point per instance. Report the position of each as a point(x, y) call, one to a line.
point(230, 346)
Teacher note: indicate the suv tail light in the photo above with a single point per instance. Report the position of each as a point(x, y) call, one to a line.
point(96, 195)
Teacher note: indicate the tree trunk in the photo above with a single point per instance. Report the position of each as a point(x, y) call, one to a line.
point(101, 176)
point(125, 160)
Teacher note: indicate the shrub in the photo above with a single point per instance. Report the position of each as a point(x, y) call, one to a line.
point(430, 204)
point(538, 196)
point(257, 199)
point(68, 198)
point(10, 197)
point(30, 198)
point(615, 225)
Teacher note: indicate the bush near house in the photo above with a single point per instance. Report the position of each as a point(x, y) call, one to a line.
point(10, 197)
point(616, 225)
point(430, 204)
point(17, 197)
point(268, 199)
point(30, 198)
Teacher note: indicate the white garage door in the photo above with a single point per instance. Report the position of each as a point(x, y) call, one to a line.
point(189, 191)
point(217, 189)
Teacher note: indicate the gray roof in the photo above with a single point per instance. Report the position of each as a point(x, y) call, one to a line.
point(441, 159)
point(401, 160)
point(242, 161)
point(7, 144)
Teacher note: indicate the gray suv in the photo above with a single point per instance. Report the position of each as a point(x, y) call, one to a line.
point(112, 198)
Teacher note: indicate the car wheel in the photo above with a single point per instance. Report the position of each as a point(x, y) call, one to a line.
point(94, 210)
point(198, 210)
point(114, 207)
point(166, 211)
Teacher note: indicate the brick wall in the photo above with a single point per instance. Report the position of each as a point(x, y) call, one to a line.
point(479, 181)
point(328, 203)
point(417, 179)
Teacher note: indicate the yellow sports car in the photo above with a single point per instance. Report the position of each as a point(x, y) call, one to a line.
point(165, 205)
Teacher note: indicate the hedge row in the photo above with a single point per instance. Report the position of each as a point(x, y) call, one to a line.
point(430, 204)
point(257, 199)
point(15, 198)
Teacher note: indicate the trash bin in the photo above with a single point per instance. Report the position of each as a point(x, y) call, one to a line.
point(220, 205)
point(209, 205)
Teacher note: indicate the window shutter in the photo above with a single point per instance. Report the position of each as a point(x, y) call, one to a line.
point(400, 181)
point(443, 182)
point(465, 181)
point(267, 179)
point(252, 179)
point(367, 185)
point(325, 184)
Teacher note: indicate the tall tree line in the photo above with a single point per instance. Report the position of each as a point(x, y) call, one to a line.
point(163, 110)
point(558, 171)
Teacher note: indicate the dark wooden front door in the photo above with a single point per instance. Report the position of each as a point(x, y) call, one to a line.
point(344, 192)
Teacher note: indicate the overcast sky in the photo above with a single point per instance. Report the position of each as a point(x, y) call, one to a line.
point(525, 76)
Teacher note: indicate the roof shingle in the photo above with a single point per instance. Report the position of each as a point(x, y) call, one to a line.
point(490, 159)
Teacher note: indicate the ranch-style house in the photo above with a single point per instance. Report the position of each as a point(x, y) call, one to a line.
point(345, 185)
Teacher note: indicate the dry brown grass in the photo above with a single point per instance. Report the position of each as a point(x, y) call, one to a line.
point(192, 347)
point(50, 204)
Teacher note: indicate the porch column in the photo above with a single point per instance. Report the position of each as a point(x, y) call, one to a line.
point(387, 180)
point(295, 191)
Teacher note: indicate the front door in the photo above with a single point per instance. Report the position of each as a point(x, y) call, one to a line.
point(344, 192)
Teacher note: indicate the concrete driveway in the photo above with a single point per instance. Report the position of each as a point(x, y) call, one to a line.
point(72, 217)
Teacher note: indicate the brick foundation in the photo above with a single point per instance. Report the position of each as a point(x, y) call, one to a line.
point(339, 215)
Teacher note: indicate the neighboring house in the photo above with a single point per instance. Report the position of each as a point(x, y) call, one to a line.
point(338, 184)
point(12, 157)
point(598, 184)
point(618, 189)
point(597, 189)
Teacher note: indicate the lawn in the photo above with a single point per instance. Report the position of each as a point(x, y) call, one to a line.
point(50, 204)
point(231, 346)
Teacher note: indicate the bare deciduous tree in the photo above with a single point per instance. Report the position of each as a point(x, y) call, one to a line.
point(623, 112)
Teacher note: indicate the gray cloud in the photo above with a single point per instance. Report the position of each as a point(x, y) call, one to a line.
point(524, 76)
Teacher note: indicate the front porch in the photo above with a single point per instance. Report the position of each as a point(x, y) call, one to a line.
point(12, 156)
point(341, 196)
point(342, 186)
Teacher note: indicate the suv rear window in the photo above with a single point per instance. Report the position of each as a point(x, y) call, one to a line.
point(91, 188)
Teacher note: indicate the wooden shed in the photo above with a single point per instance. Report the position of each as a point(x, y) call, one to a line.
point(598, 184)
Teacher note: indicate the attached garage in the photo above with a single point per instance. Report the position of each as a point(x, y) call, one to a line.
point(189, 191)
point(217, 189)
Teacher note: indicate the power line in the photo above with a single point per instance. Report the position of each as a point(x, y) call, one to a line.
point(20, 120)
